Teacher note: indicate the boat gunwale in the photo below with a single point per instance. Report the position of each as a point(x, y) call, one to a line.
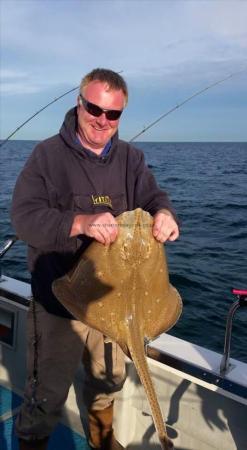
point(19, 293)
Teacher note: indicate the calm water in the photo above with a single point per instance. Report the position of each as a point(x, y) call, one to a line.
point(207, 183)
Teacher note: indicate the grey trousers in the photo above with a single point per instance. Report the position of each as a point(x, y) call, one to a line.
point(55, 348)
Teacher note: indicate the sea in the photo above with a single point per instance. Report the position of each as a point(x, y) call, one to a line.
point(207, 184)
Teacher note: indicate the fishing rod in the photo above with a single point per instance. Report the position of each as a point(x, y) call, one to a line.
point(35, 114)
point(146, 127)
point(39, 111)
point(185, 101)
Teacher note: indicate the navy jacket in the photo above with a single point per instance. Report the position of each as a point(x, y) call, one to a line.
point(60, 180)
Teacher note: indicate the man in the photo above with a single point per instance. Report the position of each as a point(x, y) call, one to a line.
point(70, 191)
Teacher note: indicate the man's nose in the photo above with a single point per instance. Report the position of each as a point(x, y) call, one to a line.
point(102, 120)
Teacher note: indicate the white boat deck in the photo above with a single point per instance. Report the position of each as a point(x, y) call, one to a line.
point(202, 409)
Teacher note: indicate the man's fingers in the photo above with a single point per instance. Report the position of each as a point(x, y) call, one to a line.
point(165, 228)
point(102, 227)
point(174, 235)
point(157, 226)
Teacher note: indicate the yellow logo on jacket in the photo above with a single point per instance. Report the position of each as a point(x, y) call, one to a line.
point(100, 200)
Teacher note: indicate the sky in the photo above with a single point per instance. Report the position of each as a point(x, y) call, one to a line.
point(165, 50)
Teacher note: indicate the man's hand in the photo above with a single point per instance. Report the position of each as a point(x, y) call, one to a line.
point(165, 227)
point(102, 227)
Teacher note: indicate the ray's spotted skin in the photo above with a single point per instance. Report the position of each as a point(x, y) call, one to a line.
point(123, 291)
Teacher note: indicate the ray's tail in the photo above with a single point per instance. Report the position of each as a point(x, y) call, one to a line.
point(136, 349)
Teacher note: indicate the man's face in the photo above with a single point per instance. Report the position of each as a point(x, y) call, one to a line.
point(95, 132)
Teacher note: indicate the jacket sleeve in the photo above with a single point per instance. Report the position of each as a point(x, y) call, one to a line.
point(148, 195)
point(34, 216)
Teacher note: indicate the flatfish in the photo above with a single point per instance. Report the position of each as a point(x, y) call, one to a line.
point(123, 291)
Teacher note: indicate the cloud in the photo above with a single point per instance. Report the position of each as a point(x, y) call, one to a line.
point(148, 40)
point(18, 88)
point(6, 74)
point(17, 82)
point(167, 50)
point(14, 82)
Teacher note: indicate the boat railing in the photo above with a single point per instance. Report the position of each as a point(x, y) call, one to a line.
point(241, 302)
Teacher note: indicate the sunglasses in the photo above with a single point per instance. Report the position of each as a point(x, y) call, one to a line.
point(95, 110)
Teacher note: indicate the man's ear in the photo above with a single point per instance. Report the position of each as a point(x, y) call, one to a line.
point(79, 101)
